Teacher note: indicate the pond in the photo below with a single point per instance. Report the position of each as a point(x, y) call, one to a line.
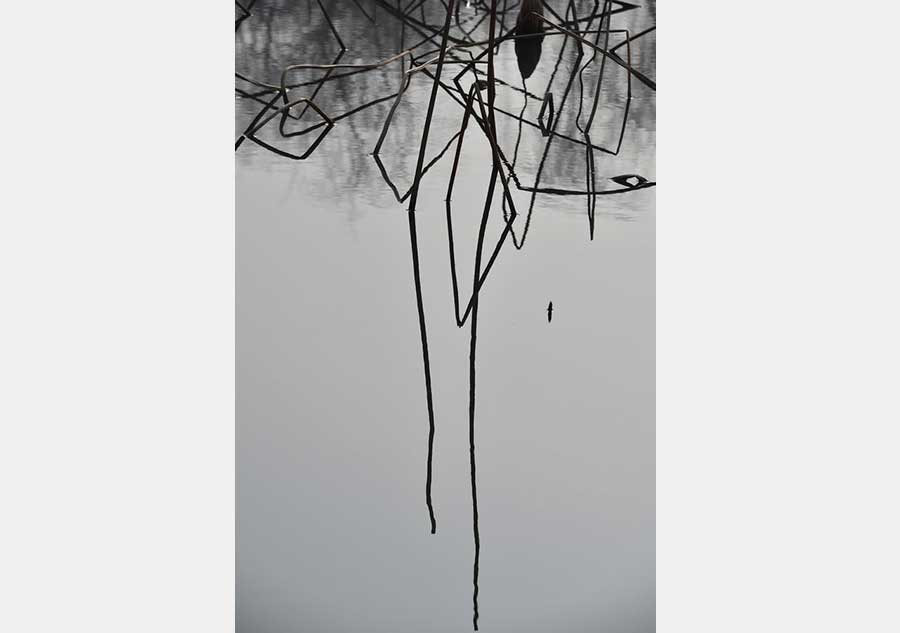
point(344, 296)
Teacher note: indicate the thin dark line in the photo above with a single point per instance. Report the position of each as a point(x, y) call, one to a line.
point(414, 245)
point(492, 131)
point(415, 251)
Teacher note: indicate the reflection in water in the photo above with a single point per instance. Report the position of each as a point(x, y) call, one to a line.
point(279, 33)
point(456, 52)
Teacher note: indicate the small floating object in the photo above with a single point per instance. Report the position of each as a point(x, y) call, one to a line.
point(549, 312)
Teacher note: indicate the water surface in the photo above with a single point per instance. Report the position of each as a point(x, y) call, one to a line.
point(332, 424)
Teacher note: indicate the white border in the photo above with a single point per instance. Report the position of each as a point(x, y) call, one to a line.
point(117, 324)
point(777, 318)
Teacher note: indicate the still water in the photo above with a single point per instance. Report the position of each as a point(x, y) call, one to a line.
point(333, 533)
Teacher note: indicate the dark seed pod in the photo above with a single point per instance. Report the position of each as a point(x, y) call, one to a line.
point(528, 49)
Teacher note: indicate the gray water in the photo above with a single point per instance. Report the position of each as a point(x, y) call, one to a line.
point(332, 425)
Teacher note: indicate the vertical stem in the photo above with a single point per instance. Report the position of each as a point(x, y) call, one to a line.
point(414, 245)
point(492, 131)
point(416, 274)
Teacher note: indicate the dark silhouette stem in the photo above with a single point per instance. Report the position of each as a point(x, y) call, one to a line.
point(415, 255)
